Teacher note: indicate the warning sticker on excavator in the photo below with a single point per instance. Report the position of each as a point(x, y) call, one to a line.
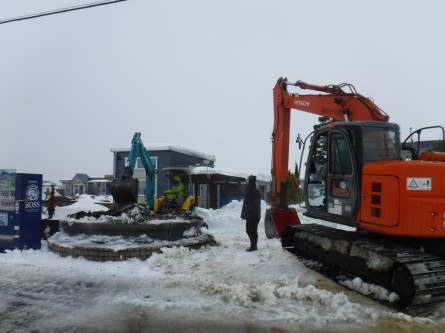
point(418, 184)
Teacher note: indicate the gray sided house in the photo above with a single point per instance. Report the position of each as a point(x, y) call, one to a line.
point(162, 156)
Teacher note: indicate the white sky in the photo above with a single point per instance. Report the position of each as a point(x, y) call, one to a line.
point(200, 74)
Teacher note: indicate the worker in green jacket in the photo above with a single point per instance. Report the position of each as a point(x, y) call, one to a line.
point(176, 191)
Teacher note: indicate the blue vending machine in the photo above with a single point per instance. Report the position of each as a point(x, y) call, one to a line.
point(20, 210)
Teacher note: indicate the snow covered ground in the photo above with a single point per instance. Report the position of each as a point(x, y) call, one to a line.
point(218, 289)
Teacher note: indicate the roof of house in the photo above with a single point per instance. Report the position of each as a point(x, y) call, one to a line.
point(166, 146)
point(83, 177)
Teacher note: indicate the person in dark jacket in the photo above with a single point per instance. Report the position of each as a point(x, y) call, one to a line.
point(251, 212)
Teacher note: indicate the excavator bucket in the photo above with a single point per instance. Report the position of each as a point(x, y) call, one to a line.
point(277, 219)
point(124, 191)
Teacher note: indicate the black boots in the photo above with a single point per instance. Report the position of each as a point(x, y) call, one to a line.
point(251, 248)
point(253, 243)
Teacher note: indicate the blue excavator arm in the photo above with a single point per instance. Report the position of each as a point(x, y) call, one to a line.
point(125, 190)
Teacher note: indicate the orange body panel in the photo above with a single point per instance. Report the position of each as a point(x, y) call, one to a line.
point(374, 200)
point(403, 198)
point(432, 156)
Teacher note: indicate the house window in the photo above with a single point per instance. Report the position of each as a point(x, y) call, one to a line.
point(103, 188)
point(140, 165)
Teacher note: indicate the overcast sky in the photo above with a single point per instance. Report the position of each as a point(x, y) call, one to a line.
point(200, 74)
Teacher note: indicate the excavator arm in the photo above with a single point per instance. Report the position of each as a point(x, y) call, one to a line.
point(138, 150)
point(331, 102)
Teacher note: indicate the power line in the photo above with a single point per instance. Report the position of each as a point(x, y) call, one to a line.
point(58, 11)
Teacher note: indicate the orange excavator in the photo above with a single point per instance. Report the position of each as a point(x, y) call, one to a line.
point(355, 176)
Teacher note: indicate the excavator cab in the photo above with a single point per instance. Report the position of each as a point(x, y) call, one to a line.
point(185, 203)
point(333, 170)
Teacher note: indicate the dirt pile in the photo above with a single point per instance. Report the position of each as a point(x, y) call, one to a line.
point(136, 213)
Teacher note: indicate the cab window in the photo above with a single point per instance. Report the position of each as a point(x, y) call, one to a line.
point(379, 144)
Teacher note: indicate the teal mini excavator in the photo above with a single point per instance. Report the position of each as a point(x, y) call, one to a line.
point(125, 190)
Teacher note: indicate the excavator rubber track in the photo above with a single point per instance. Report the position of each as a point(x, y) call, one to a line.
point(415, 276)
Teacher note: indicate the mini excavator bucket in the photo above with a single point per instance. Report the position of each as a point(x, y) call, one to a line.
point(125, 191)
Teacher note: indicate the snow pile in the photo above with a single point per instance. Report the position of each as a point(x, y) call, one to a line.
point(84, 202)
point(267, 290)
point(371, 290)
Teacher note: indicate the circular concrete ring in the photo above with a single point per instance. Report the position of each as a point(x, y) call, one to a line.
point(169, 231)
